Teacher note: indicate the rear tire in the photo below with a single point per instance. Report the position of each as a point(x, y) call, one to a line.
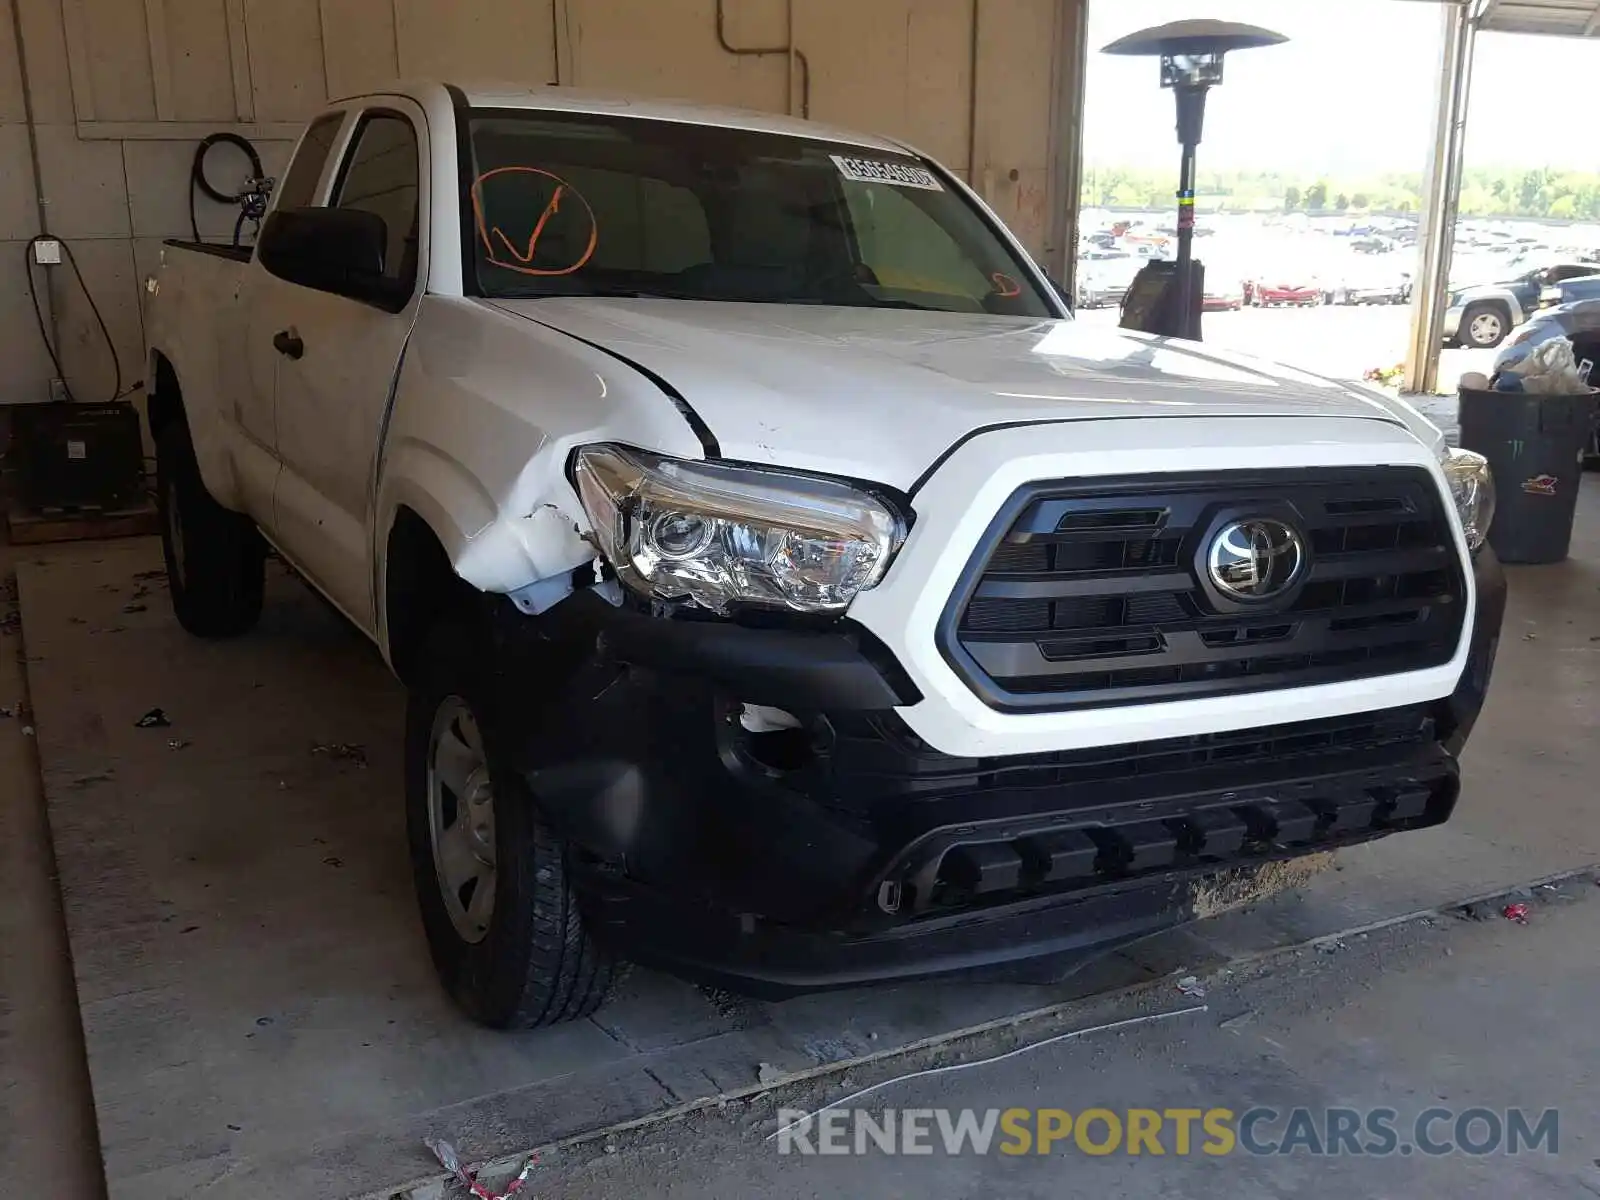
point(216, 560)
point(514, 955)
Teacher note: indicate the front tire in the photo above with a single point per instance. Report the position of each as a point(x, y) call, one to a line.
point(216, 560)
point(1483, 326)
point(500, 915)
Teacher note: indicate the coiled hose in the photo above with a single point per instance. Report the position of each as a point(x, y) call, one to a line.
point(197, 179)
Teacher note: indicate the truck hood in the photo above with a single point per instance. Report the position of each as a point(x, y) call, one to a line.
point(880, 394)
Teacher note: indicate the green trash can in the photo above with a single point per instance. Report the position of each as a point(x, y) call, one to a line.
point(1535, 445)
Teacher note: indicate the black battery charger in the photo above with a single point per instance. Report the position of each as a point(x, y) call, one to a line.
point(78, 456)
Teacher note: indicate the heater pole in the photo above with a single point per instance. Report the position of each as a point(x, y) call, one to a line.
point(1191, 118)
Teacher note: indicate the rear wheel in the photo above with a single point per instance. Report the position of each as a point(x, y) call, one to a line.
point(1484, 326)
point(500, 915)
point(216, 560)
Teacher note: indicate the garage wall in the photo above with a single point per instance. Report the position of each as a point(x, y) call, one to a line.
point(119, 91)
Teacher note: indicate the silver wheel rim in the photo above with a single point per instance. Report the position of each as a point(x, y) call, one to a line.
point(175, 532)
point(461, 819)
point(1485, 328)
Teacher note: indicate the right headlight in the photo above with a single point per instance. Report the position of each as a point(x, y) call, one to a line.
point(724, 536)
point(1472, 487)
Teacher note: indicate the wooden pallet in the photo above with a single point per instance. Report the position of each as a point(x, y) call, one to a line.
point(31, 528)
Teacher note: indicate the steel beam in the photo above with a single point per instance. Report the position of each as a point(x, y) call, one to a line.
point(1068, 68)
point(1442, 194)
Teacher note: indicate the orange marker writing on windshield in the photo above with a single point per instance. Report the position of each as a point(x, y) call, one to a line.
point(519, 261)
point(549, 210)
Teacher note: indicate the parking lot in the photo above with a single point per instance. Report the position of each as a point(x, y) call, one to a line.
point(1339, 341)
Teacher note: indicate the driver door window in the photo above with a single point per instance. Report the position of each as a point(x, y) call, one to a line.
point(380, 176)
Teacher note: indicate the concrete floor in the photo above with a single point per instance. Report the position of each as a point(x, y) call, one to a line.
point(1447, 1013)
point(260, 1016)
point(47, 1124)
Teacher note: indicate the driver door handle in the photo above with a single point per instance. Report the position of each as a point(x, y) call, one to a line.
point(287, 343)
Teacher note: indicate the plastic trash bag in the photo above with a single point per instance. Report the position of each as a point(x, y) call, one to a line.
point(1548, 369)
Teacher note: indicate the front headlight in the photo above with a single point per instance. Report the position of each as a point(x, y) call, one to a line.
point(724, 536)
point(1472, 486)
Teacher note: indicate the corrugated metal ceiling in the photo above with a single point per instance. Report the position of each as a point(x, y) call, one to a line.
point(1564, 18)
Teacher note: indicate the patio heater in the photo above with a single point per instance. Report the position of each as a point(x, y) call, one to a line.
point(1166, 298)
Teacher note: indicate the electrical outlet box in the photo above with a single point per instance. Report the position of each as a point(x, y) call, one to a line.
point(47, 252)
point(58, 391)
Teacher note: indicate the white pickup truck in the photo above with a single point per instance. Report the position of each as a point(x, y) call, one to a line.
point(788, 591)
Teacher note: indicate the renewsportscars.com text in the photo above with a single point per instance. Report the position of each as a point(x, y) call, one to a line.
point(1374, 1132)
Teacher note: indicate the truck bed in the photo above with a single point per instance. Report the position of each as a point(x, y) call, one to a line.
point(239, 254)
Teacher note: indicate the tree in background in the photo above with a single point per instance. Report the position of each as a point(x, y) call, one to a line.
point(1529, 189)
point(1485, 192)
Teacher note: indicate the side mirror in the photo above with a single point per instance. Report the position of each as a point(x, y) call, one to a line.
point(340, 250)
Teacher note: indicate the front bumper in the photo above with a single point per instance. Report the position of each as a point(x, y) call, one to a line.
point(848, 850)
point(1452, 322)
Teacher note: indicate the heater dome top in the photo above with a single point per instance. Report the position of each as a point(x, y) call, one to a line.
point(1195, 37)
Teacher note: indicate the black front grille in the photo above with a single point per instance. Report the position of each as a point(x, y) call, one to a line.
point(1086, 596)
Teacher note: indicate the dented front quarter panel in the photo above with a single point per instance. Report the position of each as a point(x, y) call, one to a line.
point(487, 412)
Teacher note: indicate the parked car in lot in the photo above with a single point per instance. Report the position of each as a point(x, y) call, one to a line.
point(1370, 288)
point(1570, 291)
point(1273, 295)
point(1222, 296)
point(787, 591)
point(1104, 277)
point(1482, 315)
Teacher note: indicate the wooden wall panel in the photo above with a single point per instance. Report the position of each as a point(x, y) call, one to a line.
point(287, 74)
point(939, 79)
point(108, 45)
point(896, 67)
point(1016, 46)
point(670, 49)
point(199, 64)
point(358, 38)
point(11, 108)
point(474, 40)
point(48, 75)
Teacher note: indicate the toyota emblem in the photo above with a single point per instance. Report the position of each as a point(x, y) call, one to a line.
point(1256, 559)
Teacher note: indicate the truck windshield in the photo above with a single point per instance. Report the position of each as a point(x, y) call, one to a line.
point(562, 205)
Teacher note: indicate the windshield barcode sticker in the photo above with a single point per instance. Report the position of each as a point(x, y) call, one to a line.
point(875, 170)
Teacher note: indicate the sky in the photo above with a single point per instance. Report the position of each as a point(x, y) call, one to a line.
point(1351, 92)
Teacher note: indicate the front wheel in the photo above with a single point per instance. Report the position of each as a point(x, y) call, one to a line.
point(216, 560)
point(1483, 326)
point(500, 915)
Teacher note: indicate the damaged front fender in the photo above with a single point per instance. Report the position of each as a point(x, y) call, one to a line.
point(514, 554)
